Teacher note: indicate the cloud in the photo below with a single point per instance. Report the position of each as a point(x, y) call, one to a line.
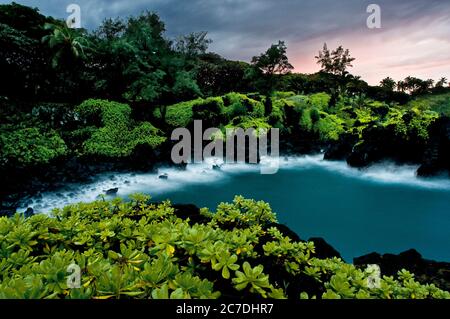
point(414, 34)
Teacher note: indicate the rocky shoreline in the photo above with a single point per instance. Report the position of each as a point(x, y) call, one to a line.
point(378, 144)
point(21, 185)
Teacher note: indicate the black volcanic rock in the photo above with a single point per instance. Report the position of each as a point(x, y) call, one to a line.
point(29, 212)
point(112, 191)
point(425, 271)
point(324, 249)
point(185, 211)
point(7, 212)
point(342, 148)
point(436, 157)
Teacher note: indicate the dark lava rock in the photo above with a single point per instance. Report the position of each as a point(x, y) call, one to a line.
point(164, 176)
point(425, 271)
point(341, 149)
point(112, 191)
point(324, 249)
point(358, 159)
point(7, 212)
point(29, 212)
point(436, 158)
point(190, 211)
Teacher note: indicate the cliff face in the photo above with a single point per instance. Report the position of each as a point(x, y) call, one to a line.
point(437, 155)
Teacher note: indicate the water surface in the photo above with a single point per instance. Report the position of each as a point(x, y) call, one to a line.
point(384, 208)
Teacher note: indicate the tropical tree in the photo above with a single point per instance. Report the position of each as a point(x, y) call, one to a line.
point(401, 86)
point(274, 60)
point(268, 66)
point(193, 44)
point(68, 44)
point(335, 62)
point(441, 83)
point(388, 84)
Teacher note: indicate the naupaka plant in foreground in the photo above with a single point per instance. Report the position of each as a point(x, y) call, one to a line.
point(140, 249)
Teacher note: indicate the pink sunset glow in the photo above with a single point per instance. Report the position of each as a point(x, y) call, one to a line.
point(419, 48)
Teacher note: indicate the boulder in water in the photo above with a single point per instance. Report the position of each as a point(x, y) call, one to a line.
point(29, 212)
point(112, 191)
point(164, 176)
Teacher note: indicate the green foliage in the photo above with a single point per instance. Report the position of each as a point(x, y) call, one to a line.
point(268, 65)
point(278, 95)
point(214, 111)
point(68, 44)
point(29, 146)
point(319, 101)
point(209, 110)
point(138, 249)
point(439, 103)
point(237, 104)
point(329, 127)
point(180, 115)
point(245, 123)
point(117, 137)
point(412, 124)
point(252, 277)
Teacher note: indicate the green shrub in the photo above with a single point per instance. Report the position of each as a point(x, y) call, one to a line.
point(142, 250)
point(237, 104)
point(119, 141)
point(418, 126)
point(29, 146)
point(183, 114)
point(439, 103)
point(329, 127)
point(109, 113)
point(306, 122)
point(277, 95)
point(246, 122)
point(214, 111)
point(319, 101)
point(118, 136)
point(180, 115)
point(299, 102)
point(209, 110)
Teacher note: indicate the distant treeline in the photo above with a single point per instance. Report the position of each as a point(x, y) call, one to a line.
point(131, 60)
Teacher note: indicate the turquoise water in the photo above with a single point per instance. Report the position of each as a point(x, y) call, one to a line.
point(384, 209)
point(355, 216)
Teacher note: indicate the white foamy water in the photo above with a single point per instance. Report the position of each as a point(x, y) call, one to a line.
point(129, 183)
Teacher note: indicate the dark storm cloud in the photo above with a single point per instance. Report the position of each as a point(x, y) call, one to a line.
point(243, 28)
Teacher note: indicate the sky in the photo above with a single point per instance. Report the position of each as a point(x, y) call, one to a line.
point(413, 38)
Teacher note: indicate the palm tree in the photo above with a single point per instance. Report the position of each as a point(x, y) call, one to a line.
point(441, 83)
point(401, 86)
point(69, 44)
point(388, 84)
